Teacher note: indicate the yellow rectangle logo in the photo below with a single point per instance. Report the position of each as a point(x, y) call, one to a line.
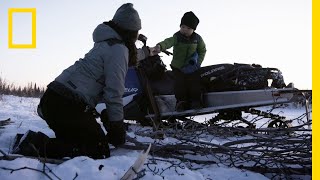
point(10, 38)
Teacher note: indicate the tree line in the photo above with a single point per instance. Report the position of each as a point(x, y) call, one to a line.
point(31, 90)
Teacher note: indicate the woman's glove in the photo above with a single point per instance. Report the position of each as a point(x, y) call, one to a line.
point(116, 133)
point(116, 130)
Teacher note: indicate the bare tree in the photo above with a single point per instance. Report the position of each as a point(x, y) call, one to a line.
point(31, 90)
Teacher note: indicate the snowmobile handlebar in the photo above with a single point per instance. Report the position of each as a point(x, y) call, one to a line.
point(144, 39)
point(168, 52)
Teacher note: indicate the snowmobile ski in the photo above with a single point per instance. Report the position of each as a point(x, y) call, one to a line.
point(216, 101)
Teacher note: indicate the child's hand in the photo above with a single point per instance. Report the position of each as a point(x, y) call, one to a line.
point(155, 50)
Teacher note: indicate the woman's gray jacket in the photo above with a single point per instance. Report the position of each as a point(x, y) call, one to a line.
point(100, 75)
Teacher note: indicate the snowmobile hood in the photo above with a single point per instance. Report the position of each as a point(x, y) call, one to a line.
point(104, 32)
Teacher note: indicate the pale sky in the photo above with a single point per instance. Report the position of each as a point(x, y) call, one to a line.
point(273, 33)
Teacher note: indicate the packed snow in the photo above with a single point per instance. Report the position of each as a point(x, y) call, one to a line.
point(22, 112)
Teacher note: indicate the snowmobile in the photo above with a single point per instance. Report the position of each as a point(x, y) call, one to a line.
point(227, 89)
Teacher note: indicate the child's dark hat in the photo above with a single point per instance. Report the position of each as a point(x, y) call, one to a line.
point(190, 19)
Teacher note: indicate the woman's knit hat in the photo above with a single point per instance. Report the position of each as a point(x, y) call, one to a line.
point(127, 17)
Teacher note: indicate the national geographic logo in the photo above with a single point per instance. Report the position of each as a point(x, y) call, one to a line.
point(11, 11)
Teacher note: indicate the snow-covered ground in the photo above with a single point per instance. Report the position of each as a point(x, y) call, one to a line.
point(22, 112)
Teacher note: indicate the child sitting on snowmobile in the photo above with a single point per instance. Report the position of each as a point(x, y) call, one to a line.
point(189, 51)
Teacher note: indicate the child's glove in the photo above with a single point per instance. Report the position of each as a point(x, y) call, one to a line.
point(189, 68)
point(192, 65)
point(194, 59)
